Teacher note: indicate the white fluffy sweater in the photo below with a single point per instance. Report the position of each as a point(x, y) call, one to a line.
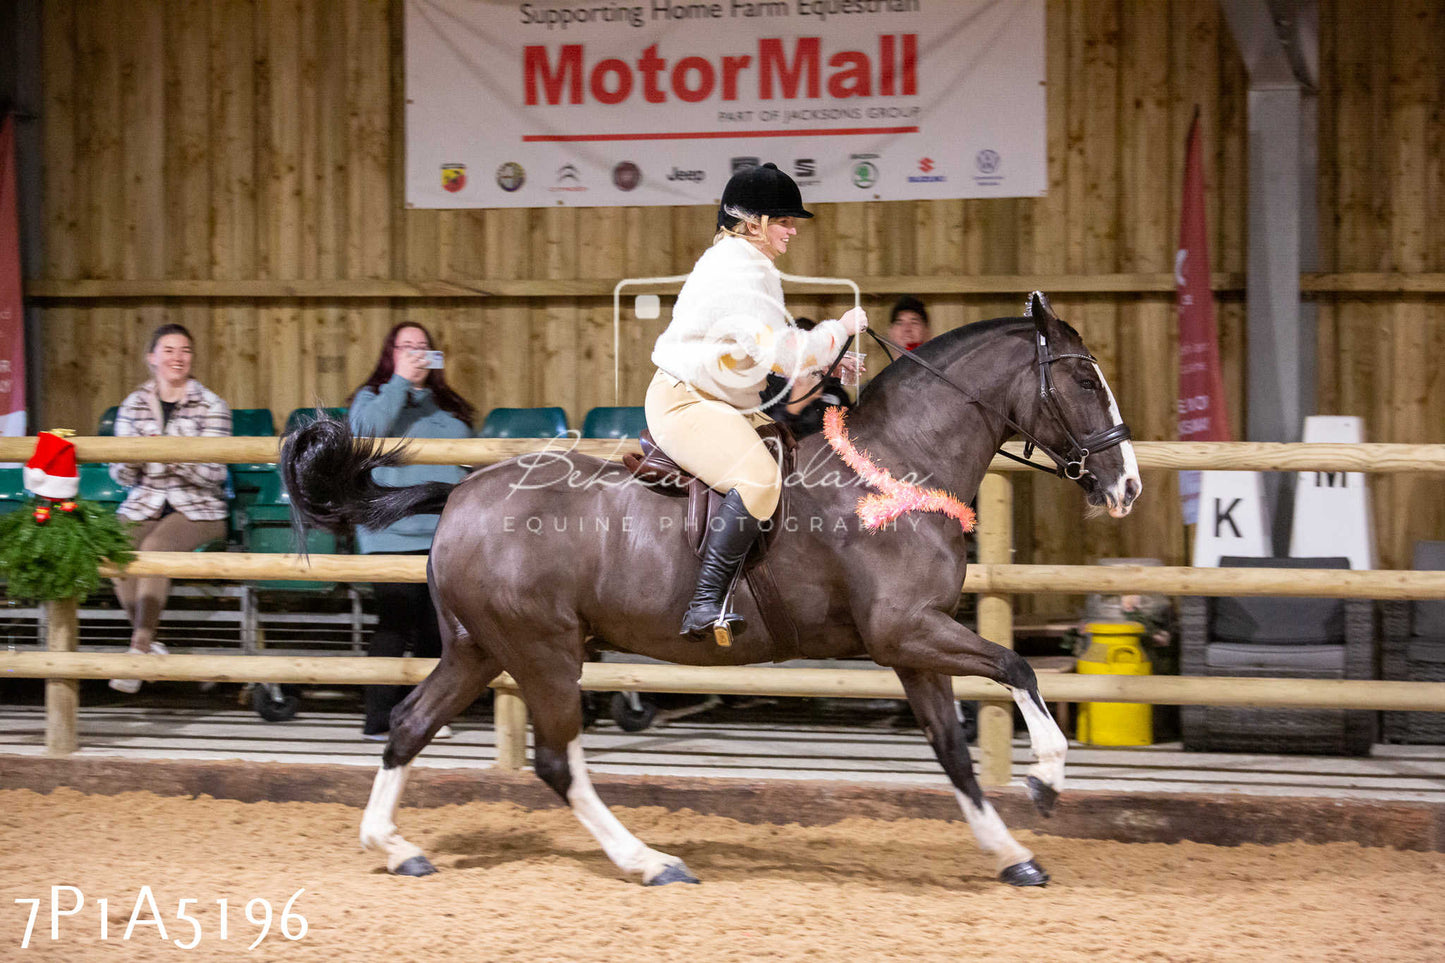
point(729, 328)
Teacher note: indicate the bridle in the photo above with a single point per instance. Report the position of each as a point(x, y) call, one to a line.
point(1070, 464)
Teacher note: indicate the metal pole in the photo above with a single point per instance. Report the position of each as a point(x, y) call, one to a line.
point(995, 623)
point(62, 696)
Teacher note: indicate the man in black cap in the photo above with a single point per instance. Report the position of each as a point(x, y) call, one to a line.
point(729, 331)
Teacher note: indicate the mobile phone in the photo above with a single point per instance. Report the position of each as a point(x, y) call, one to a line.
point(434, 359)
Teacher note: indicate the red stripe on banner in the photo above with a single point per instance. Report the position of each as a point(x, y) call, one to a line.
point(1202, 415)
point(12, 312)
point(718, 134)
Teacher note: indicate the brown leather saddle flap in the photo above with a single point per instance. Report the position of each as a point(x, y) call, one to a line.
point(660, 473)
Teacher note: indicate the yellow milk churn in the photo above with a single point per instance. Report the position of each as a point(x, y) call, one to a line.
point(1115, 648)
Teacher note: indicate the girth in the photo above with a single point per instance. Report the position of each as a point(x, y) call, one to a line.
point(660, 473)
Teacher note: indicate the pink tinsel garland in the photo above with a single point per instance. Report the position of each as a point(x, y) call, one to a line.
point(893, 498)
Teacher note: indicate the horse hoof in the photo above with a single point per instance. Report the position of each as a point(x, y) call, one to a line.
point(673, 873)
point(1025, 874)
point(415, 866)
point(1043, 795)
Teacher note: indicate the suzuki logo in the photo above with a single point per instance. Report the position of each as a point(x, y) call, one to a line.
point(926, 164)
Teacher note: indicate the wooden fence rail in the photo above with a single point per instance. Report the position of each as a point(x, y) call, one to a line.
point(740, 680)
point(982, 578)
point(1376, 459)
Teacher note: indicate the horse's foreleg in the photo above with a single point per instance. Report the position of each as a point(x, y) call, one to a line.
point(558, 760)
point(931, 696)
point(378, 825)
point(946, 647)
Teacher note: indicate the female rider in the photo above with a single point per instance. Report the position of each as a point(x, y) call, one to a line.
point(729, 331)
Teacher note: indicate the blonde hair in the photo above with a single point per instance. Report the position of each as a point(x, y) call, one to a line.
point(745, 219)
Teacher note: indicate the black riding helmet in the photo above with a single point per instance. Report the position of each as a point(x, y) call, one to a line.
point(762, 191)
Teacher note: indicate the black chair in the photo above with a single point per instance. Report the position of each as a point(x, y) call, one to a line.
point(1413, 649)
point(1284, 638)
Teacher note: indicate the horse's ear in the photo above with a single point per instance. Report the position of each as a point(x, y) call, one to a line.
point(1039, 308)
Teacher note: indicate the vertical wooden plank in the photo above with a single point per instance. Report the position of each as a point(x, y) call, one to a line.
point(1230, 214)
point(368, 182)
point(287, 362)
point(99, 158)
point(62, 404)
point(1414, 108)
point(236, 342)
point(1145, 375)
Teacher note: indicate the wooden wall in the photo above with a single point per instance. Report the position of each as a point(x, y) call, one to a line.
point(259, 142)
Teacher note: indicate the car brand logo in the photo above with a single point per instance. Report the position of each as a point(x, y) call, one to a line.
point(511, 176)
point(626, 176)
point(454, 177)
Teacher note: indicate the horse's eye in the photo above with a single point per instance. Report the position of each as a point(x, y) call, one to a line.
point(1088, 384)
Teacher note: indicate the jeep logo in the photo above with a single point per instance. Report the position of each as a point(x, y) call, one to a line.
point(681, 175)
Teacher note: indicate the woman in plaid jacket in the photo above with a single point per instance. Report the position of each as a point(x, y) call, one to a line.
point(174, 507)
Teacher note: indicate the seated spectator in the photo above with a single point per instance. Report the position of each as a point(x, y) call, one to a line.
point(174, 507)
point(908, 322)
point(405, 398)
point(799, 408)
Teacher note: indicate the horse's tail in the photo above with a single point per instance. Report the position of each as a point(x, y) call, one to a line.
point(327, 472)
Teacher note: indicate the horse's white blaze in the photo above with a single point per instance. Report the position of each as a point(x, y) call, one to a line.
point(624, 849)
point(378, 823)
point(1118, 507)
point(992, 835)
point(1047, 740)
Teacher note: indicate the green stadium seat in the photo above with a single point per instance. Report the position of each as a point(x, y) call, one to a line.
point(96, 485)
point(524, 423)
point(267, 528)
point(302, 417)
point(247, 478)
point(625, 422)
point(252, 422)
point(12, 490)
point(106, 428)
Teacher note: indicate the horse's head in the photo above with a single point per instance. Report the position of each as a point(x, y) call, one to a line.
point(1066, 404)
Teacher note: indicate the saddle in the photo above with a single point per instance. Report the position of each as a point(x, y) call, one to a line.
point(663, 475)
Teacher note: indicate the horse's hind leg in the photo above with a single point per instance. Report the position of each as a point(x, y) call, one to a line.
point(555, 701)
point(460, 676)
point(931, 696)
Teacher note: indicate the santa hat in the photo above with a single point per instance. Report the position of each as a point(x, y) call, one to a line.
point(51, 471)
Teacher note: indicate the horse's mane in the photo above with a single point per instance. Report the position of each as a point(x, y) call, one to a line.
point(944, 350)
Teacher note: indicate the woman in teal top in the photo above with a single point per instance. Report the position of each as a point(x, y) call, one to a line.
point(405, 398)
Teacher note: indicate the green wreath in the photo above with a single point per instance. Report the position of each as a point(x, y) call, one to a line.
point(51, 550)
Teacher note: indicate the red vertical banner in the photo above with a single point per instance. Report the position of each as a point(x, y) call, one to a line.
point(1201, 387)
point(12, 311)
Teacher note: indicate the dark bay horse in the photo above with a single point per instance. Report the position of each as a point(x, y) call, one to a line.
point(536, 555)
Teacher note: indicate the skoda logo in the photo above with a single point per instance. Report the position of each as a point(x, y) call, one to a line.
point(511, 176)
point(987, 161)
point(865, 173)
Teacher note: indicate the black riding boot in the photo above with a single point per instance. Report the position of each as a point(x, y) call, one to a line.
point(731, 532)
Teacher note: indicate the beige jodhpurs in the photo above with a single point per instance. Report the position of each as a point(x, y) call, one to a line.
point(714, 441)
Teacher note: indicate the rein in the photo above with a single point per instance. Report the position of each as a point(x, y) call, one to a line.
point(1069, 465)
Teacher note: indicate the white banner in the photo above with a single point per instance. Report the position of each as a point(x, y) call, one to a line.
point(533, 104)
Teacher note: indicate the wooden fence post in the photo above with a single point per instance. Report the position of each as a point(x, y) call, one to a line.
point(509, 719)
point(995, 623)
point(62, 696)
